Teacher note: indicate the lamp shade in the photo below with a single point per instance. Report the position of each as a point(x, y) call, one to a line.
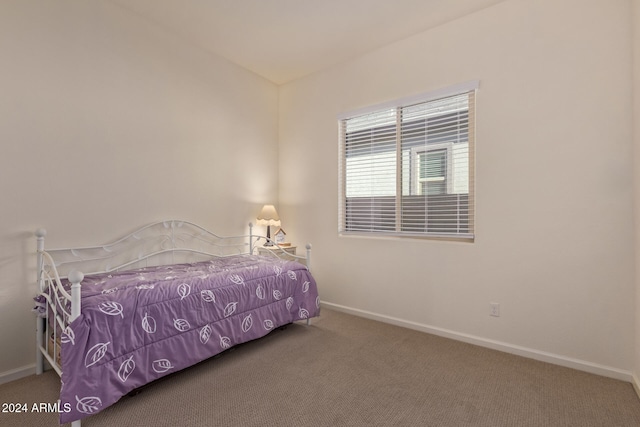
point(268, 216)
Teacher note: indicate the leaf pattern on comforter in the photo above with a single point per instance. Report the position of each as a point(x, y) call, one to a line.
point(137, 326)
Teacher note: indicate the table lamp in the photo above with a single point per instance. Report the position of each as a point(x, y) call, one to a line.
point(268, 216)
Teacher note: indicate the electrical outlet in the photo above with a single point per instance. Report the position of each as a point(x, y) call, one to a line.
point(494, 309)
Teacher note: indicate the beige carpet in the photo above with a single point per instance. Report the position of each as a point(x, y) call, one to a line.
point(348, 371)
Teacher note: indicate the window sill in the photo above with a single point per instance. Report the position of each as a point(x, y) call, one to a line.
point(464, 238)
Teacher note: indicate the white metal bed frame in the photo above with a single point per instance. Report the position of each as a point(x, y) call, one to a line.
point(159, 243)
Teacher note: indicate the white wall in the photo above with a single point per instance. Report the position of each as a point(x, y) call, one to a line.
point(108, 122)
point(554, 225)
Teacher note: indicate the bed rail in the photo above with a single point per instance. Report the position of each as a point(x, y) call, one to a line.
point(58, 305)
point(158, 243)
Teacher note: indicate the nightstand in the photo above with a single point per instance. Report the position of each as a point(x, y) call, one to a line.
point(277, 251)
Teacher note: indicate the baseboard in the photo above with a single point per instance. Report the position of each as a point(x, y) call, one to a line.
point(542, 356)
point(16, 374)
point(636, 385)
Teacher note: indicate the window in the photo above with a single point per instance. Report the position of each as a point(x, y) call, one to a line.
point(406, 168)
point(432, 172)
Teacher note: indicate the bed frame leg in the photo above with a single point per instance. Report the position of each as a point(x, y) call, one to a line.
point(308, 248)
point(40, 235)
point(39, 357)
point(76, 423)
point(75, 277)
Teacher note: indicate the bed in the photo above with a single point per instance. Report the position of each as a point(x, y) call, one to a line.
point(114, 317)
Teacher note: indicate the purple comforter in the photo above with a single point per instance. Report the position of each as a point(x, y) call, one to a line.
point(137, 326)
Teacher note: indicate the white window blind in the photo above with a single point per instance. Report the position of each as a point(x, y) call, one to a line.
point(407, 169)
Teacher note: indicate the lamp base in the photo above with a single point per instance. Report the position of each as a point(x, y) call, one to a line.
point(268, 242)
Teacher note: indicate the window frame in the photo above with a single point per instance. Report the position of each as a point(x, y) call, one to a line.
point(467, 207)
point(417, 182)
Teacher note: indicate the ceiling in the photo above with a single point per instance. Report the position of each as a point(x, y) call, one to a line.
point(283, 40)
